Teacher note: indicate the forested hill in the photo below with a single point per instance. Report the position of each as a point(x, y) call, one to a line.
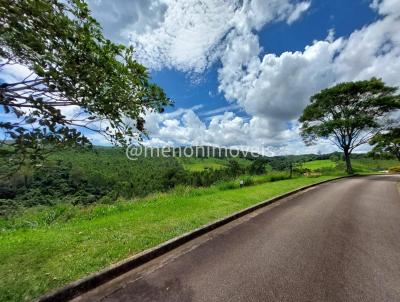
point(104, 174)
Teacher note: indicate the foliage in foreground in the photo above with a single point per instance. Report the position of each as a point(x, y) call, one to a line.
point(78, 79)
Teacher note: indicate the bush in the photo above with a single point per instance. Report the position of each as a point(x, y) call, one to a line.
point(301, 170)
point(248, 181)
point(234, 168)
point(227, 186)
point(257, 167)
point(106, 199)
point(394, 170)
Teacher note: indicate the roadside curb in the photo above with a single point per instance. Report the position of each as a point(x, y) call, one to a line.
point(94, 280)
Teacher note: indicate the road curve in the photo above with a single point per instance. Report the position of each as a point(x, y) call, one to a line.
point(337, 242)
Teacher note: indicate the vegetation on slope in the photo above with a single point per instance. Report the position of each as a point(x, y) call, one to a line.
point(319, 164)
point(104, 175)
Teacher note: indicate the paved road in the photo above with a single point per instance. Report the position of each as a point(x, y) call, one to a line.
point(338, 242)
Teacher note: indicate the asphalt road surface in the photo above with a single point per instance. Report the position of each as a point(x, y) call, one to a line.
point(337, 242)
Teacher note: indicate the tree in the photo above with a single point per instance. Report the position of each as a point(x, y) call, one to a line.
point(349, 114)
point(387, 142)
point(257, 167)
point(234, 168)
point(72, 68)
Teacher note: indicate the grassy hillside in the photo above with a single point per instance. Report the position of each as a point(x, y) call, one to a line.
point(87, 176)
point(319, 164)
point(360, 165)
point(42, 249)
point(104, 175)
point(366, 165)
point(200, 164)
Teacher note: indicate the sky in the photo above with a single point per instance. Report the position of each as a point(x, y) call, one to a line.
point(241, 72)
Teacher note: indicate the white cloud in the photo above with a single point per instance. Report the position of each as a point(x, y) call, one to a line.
point(119, 18)
point(276, 88)
point(13, 73)
point(298, 11)
point(187, 34)
point(220, 110)
point(372, 51)
point(386, 7)
point(183, 127)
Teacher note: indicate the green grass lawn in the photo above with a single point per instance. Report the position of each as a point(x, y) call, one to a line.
point(200, 164)
point(319, 164)
point(41, 250)
point(364, 165)
point(370, 165)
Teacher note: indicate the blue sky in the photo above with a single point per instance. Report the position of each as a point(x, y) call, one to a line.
point(240, 72)
point(275, 38)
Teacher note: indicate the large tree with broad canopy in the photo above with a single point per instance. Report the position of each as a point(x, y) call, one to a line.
point(349, 114)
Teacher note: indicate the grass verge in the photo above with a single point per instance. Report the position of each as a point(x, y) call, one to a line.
point(45, 250)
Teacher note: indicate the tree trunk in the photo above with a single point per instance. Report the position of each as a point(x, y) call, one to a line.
point(349, 168)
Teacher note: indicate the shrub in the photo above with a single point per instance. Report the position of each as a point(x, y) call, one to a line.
point(257, 167)
point(229, 185)
point(234, 168)
point(394, 170)
point(106, 199)
point(248, 181)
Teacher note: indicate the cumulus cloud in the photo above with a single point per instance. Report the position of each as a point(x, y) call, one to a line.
point(278, 87)
point(372, 51)
point(386, 7)
point(120, 18)
point(183, 127)
point(187, 34)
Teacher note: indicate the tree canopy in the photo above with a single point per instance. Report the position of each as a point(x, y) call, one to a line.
point(387, 142)
point(349, 114)
point(77, 79)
